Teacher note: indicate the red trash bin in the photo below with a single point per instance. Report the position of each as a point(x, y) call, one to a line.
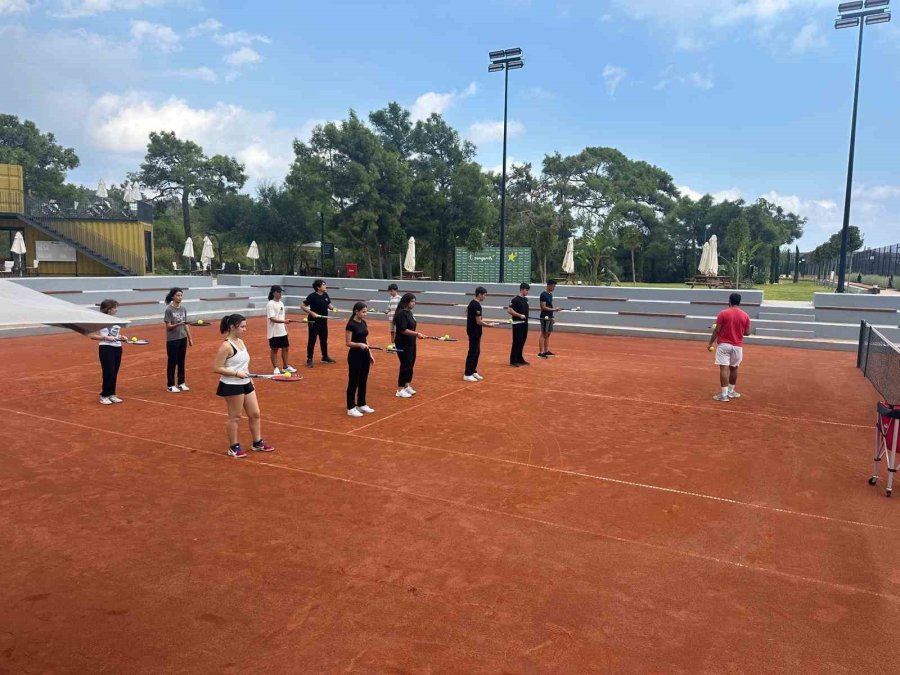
point(351, 270)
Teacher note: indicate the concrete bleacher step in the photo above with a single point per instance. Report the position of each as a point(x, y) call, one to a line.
point(783, 332)
point(779, 316)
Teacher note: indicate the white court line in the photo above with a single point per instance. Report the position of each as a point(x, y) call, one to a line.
point(719, 408)
point(407, 409)
point(553, 470)
point(503, 514)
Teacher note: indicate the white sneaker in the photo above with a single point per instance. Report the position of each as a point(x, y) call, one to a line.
point(353, 412)
point(470, 378)
point(402, 393)
point(105, 401)
point(277, 372)
point(116, 399)
point(174, 390)
point(366, 409)
point(721, 397)
point(290, 369)
point(184, 387)
point(410, 390)
point(733, 394)
point(477, 376)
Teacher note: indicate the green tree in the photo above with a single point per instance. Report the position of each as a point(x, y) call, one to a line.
point(178, 168)
point(632, 238)
point(43, 160)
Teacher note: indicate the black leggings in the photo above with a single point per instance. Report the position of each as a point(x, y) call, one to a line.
point(110, 360)
point(474, 353)
point(519, 336)
point(407, 363)
point(176, 350)
point(318, 327)
point(359, 376)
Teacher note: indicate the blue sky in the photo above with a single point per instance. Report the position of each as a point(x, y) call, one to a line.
point(736, 98)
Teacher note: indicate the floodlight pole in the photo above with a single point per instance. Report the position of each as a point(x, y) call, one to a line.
point(503, 180)
point(845, 230)
point(322, 240)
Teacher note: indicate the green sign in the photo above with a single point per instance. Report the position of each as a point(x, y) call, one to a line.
point(484, 265)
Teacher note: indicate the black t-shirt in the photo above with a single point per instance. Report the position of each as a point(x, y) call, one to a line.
point(404, 321)
point(318, 303)
point(520, 305)
point(547, 299)
point(472, 312)
point(359, 332)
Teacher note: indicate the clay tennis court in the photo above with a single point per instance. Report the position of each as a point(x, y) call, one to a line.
point(594, 512)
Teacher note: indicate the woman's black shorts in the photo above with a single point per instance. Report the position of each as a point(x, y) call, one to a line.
point(234, 389)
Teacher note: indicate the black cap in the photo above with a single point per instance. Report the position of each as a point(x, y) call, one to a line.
point(276, 289)
point(551, 282)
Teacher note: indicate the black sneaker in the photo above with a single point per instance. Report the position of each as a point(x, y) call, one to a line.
point(328, 360)
point(524, 363)
point(543, 355)
point(549, 354)
point(514, 365)
point(309, 363)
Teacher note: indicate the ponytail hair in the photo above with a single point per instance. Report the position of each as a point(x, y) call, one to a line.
point(172, 292)
point(107, 305)
point(358, 306)
point(403, 305)
point(230, 321)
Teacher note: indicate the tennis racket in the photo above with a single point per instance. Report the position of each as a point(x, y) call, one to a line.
point(442, 338)
point(276, 378)
point(200, 322)
point(136, 342)
point(392, 350)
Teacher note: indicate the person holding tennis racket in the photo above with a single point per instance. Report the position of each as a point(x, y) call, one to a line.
point(110, 339)
point(178, 339)
point(316, 307)
point(474, 325)
point(232, 363)
point(359, 360)
point(406, 336)
point(276, 331)
point(393, 301)
point(518, 310)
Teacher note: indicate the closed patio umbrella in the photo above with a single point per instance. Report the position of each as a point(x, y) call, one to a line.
point(409, 264)
point(18, 247)
point(206, 255)
point(101, 190)
point(253, 253)
point(703, 267)
point(188, 251)
point(568, 265)
point(714, 256)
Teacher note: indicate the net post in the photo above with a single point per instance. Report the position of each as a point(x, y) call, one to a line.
point(859, 346)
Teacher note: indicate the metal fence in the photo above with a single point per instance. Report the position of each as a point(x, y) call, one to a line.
point(884, 261)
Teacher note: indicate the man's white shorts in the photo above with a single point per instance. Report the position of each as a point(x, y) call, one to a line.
point(729, 355)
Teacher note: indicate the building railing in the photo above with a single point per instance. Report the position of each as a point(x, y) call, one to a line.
point(95, 209)
point(50, 215)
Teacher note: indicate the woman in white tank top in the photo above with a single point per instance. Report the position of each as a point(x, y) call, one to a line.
point(233, 366)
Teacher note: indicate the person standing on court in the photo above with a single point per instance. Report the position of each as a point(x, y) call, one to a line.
point(316, 307)
point(359, 360)
point(732, 325)
point(110, 339)
point(518, 310)
point(548, 313)
point(474, 325)
point(276, 331)
point(405, 341)
point(393, 301)
point(178, 339)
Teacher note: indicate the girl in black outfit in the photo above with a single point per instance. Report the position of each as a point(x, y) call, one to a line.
point(359, 360)
point(405, 326)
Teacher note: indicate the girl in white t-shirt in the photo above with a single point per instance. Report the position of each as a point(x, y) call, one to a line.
point(276, 331)
point(110, 339)
point(233, 365)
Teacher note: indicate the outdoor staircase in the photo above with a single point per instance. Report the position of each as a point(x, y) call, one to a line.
point(83, 239)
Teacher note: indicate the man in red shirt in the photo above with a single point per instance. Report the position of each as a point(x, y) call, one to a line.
point(732, 325)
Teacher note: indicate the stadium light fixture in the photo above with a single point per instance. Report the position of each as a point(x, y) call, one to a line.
point(854, 14)
point(505, 60)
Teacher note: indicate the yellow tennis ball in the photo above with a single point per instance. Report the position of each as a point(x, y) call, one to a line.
point(287, 373)
point(712, 349)
point(199, 322)
point(134, 339)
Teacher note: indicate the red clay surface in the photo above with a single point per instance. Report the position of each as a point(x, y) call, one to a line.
point(594, 512)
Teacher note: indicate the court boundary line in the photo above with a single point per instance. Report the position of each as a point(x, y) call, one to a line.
point(689, 406)
point(400, 412)
point(559, 471)
point(797, 578)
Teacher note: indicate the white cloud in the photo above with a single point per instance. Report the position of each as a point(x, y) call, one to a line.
point(694, 79)
point(69, 9)
point(612, 78)
point(158, 35)
point(121, 123)
point(435, 102)
point(492, 132)
point(809, 38)
point(239, 38)
point(243, 56)
point(694, 22)
point(204, 28)
point(202, 73)
point(539, 93)
point(14, 6)
point(728, 194)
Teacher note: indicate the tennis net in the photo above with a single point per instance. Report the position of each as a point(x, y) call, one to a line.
point(879, 360)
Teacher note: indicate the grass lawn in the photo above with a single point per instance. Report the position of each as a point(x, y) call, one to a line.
point(788, 290)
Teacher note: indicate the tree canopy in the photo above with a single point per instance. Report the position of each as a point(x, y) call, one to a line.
point(45, 162)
